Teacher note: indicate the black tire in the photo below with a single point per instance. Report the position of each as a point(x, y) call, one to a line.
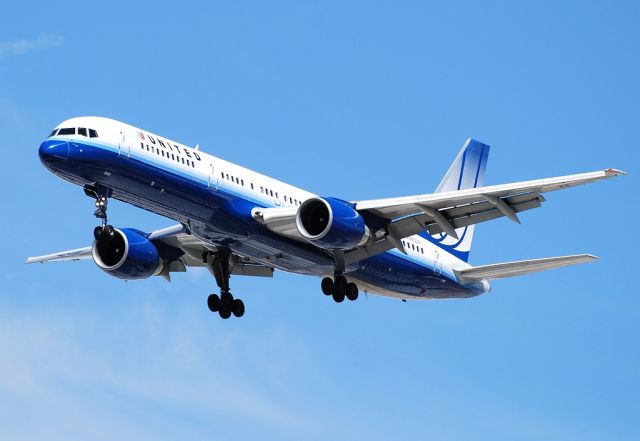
point(238, 308)
point(340, 285)
point(338, 296)
point(225, 313)
point(96, 232)
point(213, 302)
point(226, 301)
point(352, 291)
point(327, 286)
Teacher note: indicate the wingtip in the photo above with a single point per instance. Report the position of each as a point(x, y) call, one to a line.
point(615, 172)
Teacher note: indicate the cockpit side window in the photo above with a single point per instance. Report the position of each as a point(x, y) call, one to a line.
point(67, 131)
point(93, 133)
point(53, 133)
point(82, 131)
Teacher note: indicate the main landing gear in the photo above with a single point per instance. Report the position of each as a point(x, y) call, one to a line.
point(224, 304)
point(339, 288)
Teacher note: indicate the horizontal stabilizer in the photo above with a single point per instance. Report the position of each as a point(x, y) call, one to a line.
point(510, 269)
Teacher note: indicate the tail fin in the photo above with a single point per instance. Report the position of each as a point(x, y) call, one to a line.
point(467, 171)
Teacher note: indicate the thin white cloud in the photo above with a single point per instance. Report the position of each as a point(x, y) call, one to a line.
point(21, 47)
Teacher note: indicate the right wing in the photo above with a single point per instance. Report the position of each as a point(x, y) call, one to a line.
point(178, 248)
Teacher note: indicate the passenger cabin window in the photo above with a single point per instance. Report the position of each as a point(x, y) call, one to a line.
point(67, 131)
point(93, 133)
point(82, 131)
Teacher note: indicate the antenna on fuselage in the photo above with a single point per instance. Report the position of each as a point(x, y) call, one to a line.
point(197, 147)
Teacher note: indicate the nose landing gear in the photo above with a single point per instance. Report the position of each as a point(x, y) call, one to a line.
point(101, 195)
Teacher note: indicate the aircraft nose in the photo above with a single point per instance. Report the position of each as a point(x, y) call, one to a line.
point(52, 150)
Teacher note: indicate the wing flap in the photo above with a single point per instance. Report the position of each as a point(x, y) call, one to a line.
point(468, 215)
point(517, 268)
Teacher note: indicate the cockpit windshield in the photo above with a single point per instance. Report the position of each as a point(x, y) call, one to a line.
point(81, 131)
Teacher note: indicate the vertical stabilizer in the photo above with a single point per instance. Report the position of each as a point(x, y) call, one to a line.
point(467, 171)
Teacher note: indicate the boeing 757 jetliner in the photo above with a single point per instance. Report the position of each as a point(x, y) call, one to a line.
point(234, 221)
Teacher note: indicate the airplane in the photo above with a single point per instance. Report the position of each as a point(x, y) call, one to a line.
point(235, 221)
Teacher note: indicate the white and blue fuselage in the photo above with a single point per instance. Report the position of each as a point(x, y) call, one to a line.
point(215, 199)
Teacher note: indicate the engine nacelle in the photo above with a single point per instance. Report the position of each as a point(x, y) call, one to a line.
point(126, 253)
point(332, 224)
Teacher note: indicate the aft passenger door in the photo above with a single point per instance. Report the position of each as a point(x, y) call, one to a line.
point(437, 268)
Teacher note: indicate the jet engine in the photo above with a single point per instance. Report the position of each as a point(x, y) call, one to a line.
point(125, 253)
point(332, 224)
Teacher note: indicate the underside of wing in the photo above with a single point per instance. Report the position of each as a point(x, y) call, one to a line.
point(178, 250)
point(83, 253)
point(448, 212)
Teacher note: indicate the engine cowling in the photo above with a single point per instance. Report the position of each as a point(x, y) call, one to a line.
point(332, 224)
point(126, 253)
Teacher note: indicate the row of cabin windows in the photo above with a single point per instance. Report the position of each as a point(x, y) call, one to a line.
point(263, 190)
point(167, 155)
point(233, 179)
point(413, 247)
point(82, 131)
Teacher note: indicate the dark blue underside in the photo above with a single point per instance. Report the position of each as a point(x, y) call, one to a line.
point(222, 218)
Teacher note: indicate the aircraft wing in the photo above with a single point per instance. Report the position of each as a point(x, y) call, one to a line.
point(394, 208)
point(447, 211)
point(83, 253)
point(442, 212)
point(178, 247)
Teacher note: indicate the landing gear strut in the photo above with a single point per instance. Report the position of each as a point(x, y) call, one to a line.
point(224, 304)
point(339, 288)
point(101, 195)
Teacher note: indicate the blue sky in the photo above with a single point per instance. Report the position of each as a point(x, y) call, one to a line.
point(349, 99)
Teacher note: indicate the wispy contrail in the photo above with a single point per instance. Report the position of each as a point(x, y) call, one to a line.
point(21, 47)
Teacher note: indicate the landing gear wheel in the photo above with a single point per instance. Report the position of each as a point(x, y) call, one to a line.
point(338, 296)
point(213, 302)
point(340, 285)
point(327, 286)
point(238, 308)
point(226, 301)
point(352, 291)
point(218, 264)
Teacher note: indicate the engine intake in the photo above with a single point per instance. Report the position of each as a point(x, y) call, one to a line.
point(332, 224)
point(126, 253)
